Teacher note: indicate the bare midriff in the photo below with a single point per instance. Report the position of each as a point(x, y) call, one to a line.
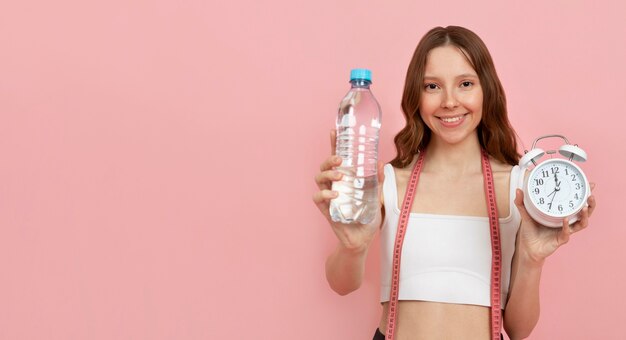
point(422, 320)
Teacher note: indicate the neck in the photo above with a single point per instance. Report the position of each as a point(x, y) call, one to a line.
point(460, 158)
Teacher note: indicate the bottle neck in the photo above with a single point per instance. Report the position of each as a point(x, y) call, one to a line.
point(360, 83)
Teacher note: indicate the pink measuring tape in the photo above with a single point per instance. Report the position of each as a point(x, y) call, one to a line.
point(494, 223)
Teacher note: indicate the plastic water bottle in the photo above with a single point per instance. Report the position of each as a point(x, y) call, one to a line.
point(358, 124)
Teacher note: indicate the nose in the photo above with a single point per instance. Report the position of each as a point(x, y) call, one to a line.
point(449, 99)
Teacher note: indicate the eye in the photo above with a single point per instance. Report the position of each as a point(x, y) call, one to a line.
point(466, 84)
point(430, 87)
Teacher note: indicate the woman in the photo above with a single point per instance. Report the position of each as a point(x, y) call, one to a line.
point(455, 107)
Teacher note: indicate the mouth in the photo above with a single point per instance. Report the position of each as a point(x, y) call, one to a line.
point(452, 119)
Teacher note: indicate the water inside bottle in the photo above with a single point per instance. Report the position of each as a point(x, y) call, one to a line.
point(358, 124)
point(357, 200)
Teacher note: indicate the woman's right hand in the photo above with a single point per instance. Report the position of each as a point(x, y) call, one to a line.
point(355, 237)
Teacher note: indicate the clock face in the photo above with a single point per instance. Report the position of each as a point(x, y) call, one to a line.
point(557, 188)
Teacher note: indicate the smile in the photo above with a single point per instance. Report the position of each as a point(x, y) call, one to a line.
point(453, 120)
point(450, 120)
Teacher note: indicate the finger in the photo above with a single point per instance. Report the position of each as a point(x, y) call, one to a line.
point(324, 179)
point(322, 199)
point(333, 141)
point(563, 235)
point(591, 201)
point(519, 202)
point(324, 195)
point(584, 220)
point(330, 162)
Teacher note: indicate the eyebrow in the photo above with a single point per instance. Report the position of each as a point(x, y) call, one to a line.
point(464, 75)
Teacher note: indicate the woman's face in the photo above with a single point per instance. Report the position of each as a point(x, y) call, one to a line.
point(451, 99)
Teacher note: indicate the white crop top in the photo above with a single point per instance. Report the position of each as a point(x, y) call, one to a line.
point(446, 258)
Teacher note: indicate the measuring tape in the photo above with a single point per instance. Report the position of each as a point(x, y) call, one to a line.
point(494, 223)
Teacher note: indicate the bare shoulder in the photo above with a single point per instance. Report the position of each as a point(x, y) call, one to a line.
point(497, 166)
point(502, 179)
point(501, 174)
point(403, 174)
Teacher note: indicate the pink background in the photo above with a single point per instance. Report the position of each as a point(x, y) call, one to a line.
point(158, 158)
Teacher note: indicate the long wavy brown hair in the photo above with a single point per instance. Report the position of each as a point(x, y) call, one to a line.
point(495, 133)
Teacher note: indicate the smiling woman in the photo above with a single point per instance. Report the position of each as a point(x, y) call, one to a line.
point(474, 69)
point(452, 97)
point(452, 263)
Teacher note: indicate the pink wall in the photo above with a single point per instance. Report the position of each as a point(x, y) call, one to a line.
point(158, 158)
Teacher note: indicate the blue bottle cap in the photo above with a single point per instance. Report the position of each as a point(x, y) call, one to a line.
point(361, 73)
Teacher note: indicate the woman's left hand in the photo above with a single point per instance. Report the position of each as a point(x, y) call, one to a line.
point(537, 241)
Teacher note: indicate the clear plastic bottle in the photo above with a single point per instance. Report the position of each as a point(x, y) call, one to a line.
point(358, 124)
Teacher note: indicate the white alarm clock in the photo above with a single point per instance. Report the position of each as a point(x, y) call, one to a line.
point(556, 188)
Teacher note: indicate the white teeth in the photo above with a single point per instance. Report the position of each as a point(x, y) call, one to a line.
point(451, 120)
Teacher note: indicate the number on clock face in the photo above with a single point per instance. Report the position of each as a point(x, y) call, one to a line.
point(557, 188)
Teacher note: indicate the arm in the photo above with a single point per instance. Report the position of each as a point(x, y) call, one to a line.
point(345, 267)
point(522, 309)
point(533, 245)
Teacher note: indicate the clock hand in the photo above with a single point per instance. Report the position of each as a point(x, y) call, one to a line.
point(550, 205)
point(556, 180)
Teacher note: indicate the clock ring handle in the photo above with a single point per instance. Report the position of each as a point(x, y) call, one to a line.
point(550, 136)
point(572, 152)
